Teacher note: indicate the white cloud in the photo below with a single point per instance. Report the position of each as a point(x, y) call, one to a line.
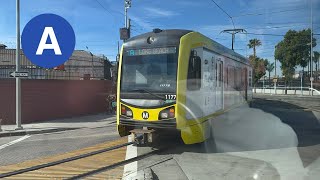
point(141, 22)
point(157, 12)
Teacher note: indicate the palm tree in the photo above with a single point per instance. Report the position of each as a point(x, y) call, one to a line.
point(253, 43)
point(269, 68)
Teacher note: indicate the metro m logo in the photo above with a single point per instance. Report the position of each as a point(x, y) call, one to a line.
point(145, 115)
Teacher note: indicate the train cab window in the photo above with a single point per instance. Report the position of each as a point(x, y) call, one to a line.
point(194, 72)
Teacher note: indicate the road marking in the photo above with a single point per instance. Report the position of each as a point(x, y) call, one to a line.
point(14, 142)
point(130, 170)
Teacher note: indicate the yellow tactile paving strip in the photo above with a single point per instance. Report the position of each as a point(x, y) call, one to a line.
point(76, 167)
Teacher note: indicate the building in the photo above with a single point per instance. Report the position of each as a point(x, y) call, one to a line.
point(82, 65)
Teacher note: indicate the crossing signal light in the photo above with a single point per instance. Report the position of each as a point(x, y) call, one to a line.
point(124, 33)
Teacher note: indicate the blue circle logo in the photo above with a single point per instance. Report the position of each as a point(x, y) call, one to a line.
point(48, 40)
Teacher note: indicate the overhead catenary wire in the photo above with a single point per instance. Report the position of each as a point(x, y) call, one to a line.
point(259, 14)
point(224, 12)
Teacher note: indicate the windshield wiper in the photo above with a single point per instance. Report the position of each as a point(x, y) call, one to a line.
point(144, 90)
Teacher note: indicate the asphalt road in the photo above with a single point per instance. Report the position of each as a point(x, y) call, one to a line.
point(278, 137)
point(41, 145)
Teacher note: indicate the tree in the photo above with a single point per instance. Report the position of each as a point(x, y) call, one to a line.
point(293, 51)
point(258, 68)
point(253, 43)
point(269, 67)
point(258, 65)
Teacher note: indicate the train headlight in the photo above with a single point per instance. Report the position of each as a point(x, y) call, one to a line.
point(167, 113)
point(126, 111)
point(129, 113)
point(164, 115)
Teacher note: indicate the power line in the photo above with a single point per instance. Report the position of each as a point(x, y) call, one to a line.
point(224, 12)
point(273, 27)
point(259, 14)
point(104, 8)
point(264, 34)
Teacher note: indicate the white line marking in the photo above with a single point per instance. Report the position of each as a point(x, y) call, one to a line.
point(130, 170)
point(14, 142)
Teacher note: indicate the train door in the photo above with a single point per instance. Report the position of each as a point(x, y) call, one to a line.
point(219, 83)
point(208, 83)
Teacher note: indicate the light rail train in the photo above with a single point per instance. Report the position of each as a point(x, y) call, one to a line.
point(178, 80)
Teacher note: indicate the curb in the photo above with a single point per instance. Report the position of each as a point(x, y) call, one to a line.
point(22, 133)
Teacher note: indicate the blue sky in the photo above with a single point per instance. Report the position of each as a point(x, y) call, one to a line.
point(97, 22)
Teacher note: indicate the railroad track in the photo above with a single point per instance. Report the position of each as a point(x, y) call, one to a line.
point(92, 165)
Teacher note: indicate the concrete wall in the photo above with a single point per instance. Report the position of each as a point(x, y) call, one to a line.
point(282, 92)
point(52, 99)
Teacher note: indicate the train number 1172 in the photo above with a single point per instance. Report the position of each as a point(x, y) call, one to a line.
point(171, 96)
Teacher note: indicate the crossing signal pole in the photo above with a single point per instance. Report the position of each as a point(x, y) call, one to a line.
point(125, 32)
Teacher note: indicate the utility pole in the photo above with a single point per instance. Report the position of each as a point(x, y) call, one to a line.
point(118, 55)
point(129, 25)
point(92, 73)
point(311, 50)
point(18, 80)
point(233, 32)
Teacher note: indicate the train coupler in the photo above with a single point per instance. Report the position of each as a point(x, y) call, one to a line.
point(143, 136)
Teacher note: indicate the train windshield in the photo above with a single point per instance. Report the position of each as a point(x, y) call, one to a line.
point(154, 70)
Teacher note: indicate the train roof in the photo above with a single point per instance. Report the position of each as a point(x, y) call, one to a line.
point(171, 37)
point(161, 37)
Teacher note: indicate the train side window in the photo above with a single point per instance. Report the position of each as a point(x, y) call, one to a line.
point(194, 72)
point(250, 79)
point(227, 76)
point(217, 74)
point(220, 74)
point(234, 78)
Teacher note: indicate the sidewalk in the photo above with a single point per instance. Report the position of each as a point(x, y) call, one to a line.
point(90, 121)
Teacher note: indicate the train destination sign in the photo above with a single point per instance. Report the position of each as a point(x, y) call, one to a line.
point(141, 52)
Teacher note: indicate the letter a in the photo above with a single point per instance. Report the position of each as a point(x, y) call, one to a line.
point(48, 31)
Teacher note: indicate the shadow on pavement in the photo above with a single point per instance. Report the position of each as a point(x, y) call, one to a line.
point(304, 123)
point(83, 119)
point(273, 139)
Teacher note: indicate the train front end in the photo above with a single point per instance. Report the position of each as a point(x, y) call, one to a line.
point(147, 82)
